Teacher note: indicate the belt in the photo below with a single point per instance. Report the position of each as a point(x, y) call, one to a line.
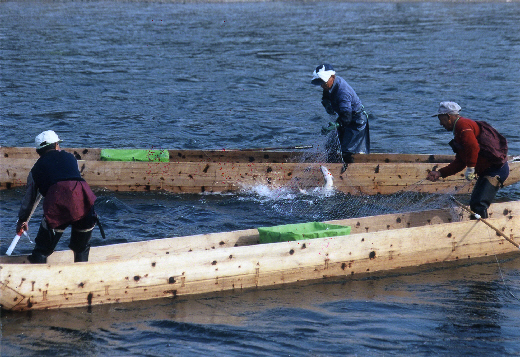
point(362, 111)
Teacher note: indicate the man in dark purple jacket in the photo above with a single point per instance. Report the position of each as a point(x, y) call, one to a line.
point(68, 200)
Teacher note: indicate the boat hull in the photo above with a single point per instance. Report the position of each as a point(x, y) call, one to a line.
point(233, 261)
point(235, 170)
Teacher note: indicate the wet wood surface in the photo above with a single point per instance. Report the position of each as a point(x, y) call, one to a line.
point(233, 260)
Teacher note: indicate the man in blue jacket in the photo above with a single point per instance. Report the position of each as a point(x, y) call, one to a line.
point(352, 121)
point(68, 200)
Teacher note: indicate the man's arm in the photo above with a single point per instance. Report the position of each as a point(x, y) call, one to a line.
point(345, 108)
point(455, 166)
point(29, 200)
point(325, 101)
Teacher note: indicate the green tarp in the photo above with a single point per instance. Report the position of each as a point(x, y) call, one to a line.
point(290, 232)
point(135, 155)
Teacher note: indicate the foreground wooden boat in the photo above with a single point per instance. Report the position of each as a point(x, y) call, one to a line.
point(196, 171)
point(234, 260)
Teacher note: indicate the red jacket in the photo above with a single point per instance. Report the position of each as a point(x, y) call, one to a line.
point(466, 134)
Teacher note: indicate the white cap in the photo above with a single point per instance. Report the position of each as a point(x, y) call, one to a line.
point(448, 108)
point(46, 138)
point(322, 73)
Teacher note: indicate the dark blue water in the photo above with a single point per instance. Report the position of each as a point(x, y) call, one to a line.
point(236, 75)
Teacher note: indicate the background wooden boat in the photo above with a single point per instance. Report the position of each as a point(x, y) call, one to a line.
point(231, 261)
point(271, 155)
point(195, 171)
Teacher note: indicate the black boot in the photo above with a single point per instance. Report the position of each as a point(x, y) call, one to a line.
point(80, 244)
point(37, 258)
point(348, 157)
point(82, 256)
point(46, 241)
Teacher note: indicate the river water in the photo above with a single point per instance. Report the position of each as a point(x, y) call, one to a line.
point(136, 74)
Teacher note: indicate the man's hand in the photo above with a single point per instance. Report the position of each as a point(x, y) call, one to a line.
point(470, 174)
point(433, 176)
point(326, 129)
point(21, 227)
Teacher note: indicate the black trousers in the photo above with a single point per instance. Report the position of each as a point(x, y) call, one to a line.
point(47, 239)
point(483, 194)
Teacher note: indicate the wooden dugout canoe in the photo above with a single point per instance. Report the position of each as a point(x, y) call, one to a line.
point(196, 171)
point(207, 263)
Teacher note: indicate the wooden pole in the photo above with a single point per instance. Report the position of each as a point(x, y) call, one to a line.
point(499, 232)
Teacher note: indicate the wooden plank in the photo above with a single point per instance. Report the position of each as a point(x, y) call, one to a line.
point(250, 237)
point(213, 241)
point(30, 153)
point(245, 156)
point(203, 271)
point(14, 172)
point(217, 177)
point(193, 177)
point(94, 154)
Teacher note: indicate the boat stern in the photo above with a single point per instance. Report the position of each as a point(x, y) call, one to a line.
point(9, 298)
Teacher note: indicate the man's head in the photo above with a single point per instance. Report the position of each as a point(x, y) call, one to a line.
point(324, 76)
point(448, 113)
point(45, 141)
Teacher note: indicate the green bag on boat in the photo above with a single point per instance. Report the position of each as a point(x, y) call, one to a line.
point(299, 231)
point(135, 155)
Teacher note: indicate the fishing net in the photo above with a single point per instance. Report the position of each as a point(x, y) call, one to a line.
point(304, 198)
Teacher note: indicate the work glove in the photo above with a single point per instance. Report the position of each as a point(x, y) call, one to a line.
point(327, 129)
point(21, 227)
point(470, 173)
point(328, 106)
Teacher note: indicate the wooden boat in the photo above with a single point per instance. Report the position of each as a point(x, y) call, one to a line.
point(196, 171)
point(207, 263)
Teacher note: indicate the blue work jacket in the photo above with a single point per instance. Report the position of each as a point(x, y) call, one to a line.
point(353, 131)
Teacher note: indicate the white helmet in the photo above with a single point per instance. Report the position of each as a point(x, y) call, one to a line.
point(46, 138)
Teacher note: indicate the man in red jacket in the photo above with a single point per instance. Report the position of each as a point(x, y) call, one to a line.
point(480, 149)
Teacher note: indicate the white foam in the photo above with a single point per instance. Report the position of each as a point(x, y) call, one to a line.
point(289, 193)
